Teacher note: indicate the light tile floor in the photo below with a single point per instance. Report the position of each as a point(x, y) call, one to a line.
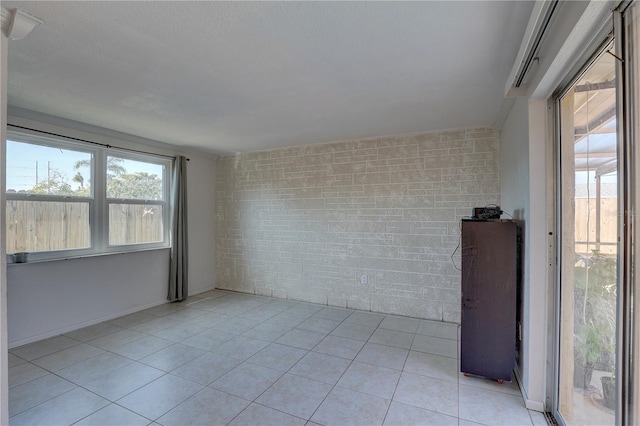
point(228, 358)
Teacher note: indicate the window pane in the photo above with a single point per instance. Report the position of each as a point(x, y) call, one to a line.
point(34, 226)
point(37, 169)
point(134, 180)
point(135, 224)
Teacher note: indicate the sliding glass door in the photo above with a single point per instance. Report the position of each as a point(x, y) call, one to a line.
point(588, 200)
point(597, 373)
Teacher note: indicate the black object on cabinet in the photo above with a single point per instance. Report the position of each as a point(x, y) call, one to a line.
point(489, 281)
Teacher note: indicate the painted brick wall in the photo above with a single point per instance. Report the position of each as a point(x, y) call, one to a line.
point(305, 223)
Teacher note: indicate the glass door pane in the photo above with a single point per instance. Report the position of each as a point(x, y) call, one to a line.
point(588, 256)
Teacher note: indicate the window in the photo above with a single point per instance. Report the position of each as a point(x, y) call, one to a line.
point(135, 195)
point(47, 205)
point(69, 199)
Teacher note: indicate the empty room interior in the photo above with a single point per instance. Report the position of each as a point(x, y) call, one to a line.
point(319, 213)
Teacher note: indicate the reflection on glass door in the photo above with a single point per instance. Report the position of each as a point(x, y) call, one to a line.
point(588, 257)
point(631, 19)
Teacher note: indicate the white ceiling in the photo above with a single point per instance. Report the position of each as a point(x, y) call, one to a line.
point(242, 76)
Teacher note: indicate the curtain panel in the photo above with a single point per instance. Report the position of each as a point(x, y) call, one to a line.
point(179, 265)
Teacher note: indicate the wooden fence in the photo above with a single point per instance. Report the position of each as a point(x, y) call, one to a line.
point(586, 226)
point(134, 223)
point(44, 226)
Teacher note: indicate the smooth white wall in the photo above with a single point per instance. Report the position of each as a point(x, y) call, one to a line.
point(523, 194)
point(514, 161)
point(201, 173)
point(49, 298)
point(514, 194)
point(53, 297)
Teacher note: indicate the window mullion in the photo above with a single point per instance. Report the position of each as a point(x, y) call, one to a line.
point(169, 203)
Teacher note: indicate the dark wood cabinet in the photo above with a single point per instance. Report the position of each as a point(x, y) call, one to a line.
point(489, 285)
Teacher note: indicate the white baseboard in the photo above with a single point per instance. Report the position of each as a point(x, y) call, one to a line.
point(534, 405)
point(53, 333)
point(196, 291)
point(529, 403)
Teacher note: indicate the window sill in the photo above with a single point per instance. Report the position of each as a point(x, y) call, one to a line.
point(84, 256)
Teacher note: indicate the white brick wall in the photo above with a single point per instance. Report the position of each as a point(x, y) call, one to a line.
point(305, 223)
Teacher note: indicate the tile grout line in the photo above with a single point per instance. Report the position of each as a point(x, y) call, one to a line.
point(343, 373)
point(395, 389)
point(238, 315)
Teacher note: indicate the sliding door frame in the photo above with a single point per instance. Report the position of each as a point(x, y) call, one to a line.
point(628, 303)
point(599, 47)
point(629, 105)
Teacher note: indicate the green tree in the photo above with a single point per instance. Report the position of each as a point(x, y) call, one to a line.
point(139, 186)
point(55, 184)
point(120, 184)
point(595, 310)
point(78, 178)
point(123, 185)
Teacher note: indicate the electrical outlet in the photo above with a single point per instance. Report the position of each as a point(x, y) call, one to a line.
point(364, 279)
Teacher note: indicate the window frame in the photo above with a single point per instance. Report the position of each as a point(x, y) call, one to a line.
point(146, 158)
point(98, 201)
